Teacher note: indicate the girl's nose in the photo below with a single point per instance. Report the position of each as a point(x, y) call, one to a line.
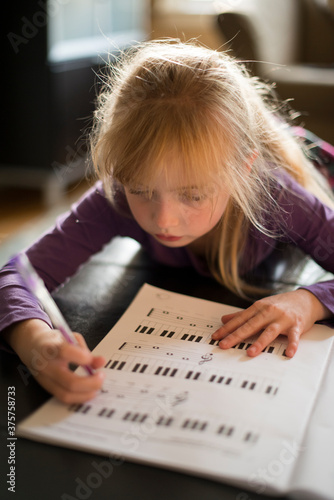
point(166, 214)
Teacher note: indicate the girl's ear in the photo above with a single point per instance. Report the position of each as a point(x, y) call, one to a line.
point(251, 159)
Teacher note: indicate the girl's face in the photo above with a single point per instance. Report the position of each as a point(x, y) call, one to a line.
point(176, 216)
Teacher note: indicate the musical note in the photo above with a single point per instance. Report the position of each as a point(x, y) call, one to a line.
point(205, 358)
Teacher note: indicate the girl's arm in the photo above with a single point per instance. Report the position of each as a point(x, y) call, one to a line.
point(48, 356)
point(57, 255)
point(309, 225)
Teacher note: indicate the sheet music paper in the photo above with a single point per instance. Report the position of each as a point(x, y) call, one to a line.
point(173, 398)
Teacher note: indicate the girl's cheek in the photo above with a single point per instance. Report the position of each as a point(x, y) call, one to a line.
point(138, 212)
point(189, 215)
point(197, 218)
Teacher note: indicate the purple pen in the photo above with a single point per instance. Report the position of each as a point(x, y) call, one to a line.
point(36, 286)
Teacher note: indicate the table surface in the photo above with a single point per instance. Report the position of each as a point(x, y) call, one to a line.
point(92, 302)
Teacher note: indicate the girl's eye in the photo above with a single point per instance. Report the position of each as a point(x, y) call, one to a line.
point(192, 197)
point(139, 192)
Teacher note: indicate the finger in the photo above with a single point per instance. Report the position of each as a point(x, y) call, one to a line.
point(267, 336)
point(80, 339)
point(62, 380)
point(231, 325)
point(250, 321)
point(75, 382)
point(228, 317)
point(241, 332)
point(293, 342)
point(76, 354)
point(98, 362)
point(64, 395)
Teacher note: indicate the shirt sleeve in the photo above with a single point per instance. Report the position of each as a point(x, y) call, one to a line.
point(77, 235)
point(309, 225)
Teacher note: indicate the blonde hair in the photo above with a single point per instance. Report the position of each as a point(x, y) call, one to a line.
point(168, 98)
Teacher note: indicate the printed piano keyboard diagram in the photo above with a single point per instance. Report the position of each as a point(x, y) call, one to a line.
point(171, 325)
point(138, 413)
point(174, 363)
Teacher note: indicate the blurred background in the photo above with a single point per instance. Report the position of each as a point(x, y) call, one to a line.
point(53, 49)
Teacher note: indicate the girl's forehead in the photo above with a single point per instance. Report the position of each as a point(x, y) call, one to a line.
point(175, 173)
point(172, 180)
point(163, 183)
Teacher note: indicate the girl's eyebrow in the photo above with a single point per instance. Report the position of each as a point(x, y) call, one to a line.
point(181, 189)
point(147, 188)
point(187, 188)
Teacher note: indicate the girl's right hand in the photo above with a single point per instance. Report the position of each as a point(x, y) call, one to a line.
point(48, 357)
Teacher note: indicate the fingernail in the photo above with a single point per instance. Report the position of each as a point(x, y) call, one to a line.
point(251, 350)
point(290, 352)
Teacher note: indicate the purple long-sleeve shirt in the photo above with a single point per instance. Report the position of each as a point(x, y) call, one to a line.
point(93, 222)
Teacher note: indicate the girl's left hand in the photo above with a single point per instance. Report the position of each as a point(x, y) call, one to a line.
point(290, 314)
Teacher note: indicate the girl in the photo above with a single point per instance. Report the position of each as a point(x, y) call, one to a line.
point(195, 164)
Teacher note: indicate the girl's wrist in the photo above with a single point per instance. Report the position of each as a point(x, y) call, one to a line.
point(23, 334)
point(319, 310)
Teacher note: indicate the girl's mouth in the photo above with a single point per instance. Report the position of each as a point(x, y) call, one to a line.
point(168, 237)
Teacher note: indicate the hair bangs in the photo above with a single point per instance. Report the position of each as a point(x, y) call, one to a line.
point(172, 140)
